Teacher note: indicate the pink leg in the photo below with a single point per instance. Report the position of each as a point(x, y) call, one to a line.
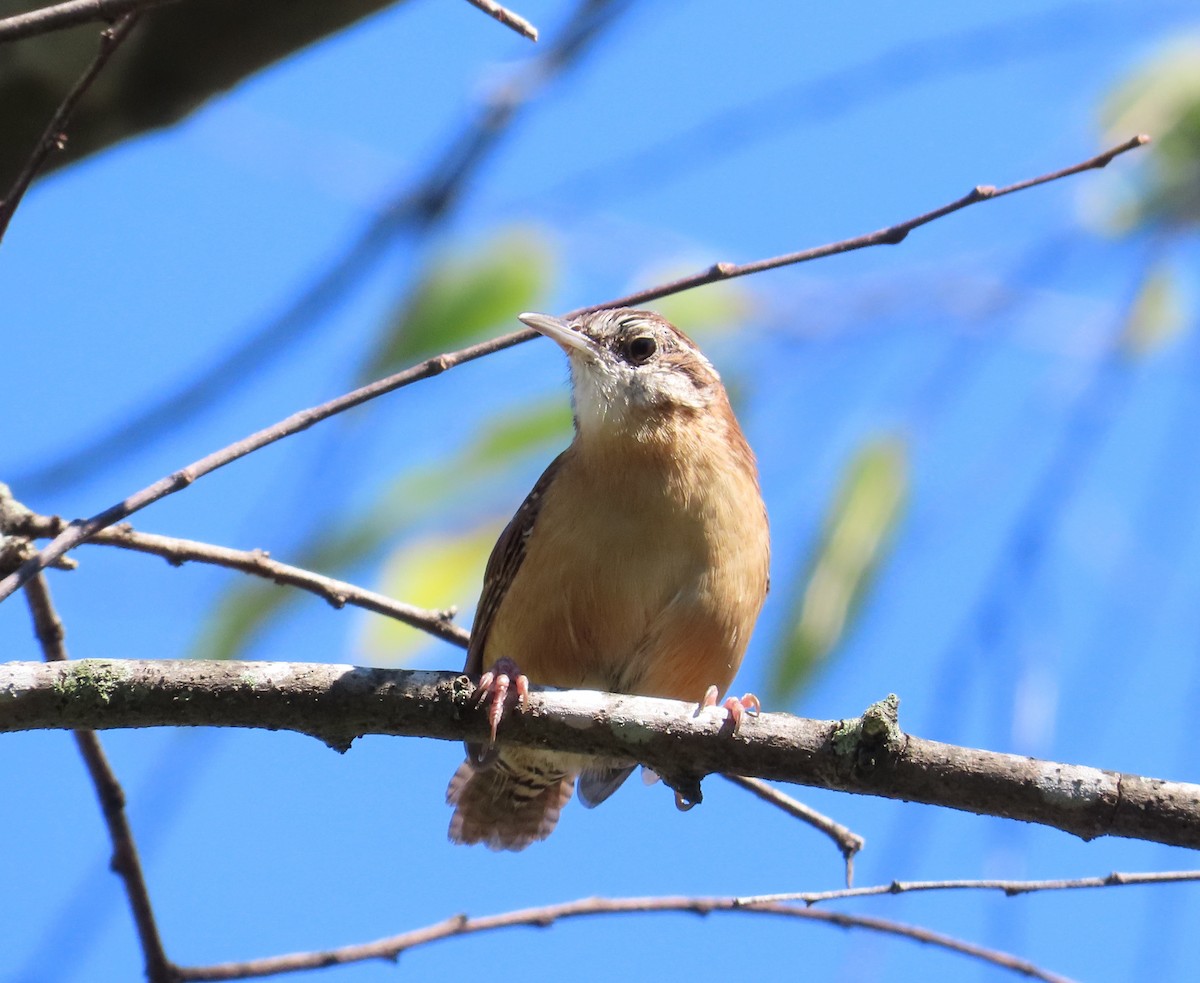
point(736, 708)
point(494, 686)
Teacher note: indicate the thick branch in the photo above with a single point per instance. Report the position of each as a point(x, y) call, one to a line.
point(337, 703)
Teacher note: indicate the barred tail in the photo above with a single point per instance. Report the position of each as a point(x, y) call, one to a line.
point(510, 801)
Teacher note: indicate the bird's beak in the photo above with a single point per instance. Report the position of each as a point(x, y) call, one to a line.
point(556, 329)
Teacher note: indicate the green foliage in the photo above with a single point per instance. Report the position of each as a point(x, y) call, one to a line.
point(241, 614)
point(704, 311)
point(1163, 99)
point(1157, 316)
point(432, 572)
point(530, 428)
point(461, 298)
point(858, 529)
point(249, 607)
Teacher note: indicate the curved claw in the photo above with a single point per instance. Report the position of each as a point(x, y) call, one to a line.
point(495, 685)
point(735, 708)
point(748, 704)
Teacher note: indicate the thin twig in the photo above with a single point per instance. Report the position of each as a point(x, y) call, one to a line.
point(391, 948)
point(507, 18)
point(54, 134)
point(259, 564)
point(846, 839)
point(125, 861)
point(1011, 888)
point(890, 236)
point(60, 15)
point(80, 531)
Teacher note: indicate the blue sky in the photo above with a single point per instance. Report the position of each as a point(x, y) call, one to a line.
point(1039, 597)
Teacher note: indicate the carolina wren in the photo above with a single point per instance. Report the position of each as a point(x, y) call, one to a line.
point(637, 564)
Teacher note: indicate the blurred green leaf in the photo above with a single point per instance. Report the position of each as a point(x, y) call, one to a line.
point(1157, 316)
point(706, 310)
point(433, 572)
point(249, 607)
point(858, 529)
point(460, 298)
point(528, 428)
point(1162, 99)
point(241, 614)
point(409, 498)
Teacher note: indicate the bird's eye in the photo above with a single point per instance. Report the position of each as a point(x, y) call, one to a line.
point(640, 349)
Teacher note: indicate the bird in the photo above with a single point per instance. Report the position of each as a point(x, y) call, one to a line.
point(637, 564)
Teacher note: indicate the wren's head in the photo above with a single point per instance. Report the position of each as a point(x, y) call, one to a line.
point(633, 371)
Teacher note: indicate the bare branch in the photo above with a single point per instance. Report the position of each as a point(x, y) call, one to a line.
point(125, 860)
point(258, 563)
point(846, 839)
point(890, 236)
point(60, 15)
point(54, 134)
point(337, 703)
point(391, 948)
point(507, 18)
point(1011, 888)
point(80, 531)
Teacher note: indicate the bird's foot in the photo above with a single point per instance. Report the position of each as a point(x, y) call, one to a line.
point(496, 686)
point(748, 704)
